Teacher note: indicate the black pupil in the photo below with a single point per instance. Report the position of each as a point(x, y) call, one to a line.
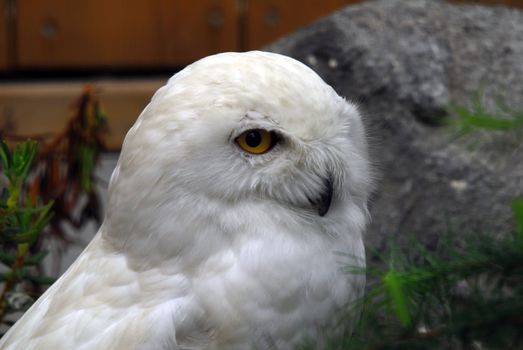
point(253, 138)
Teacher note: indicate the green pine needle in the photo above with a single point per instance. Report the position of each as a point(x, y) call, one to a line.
point(517, 207)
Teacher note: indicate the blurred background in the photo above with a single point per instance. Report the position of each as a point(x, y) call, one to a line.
point(124, 50)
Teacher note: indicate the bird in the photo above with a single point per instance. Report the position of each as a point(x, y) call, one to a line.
point(238, 200)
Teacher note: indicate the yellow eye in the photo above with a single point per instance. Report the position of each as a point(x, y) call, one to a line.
point(256, 141)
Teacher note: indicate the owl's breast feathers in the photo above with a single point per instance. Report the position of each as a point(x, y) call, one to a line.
point(257, 291)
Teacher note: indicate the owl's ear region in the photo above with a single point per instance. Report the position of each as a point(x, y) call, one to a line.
point(322, 203)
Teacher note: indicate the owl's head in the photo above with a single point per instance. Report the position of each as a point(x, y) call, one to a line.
point(242, 130)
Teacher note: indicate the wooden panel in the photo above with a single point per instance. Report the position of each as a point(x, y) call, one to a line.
point(3, 35)
point(200, 28)
point(122, 33)
point(43, 108)
point(267, 20)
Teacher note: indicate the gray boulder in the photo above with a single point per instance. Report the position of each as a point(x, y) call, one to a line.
point(404, 63)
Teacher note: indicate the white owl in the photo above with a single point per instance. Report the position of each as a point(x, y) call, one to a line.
point(236, 191)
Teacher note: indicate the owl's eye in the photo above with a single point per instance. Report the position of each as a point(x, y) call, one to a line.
point(256, 141)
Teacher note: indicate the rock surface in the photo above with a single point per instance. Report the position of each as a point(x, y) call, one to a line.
point(404, 62)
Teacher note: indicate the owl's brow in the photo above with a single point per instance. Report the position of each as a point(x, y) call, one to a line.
point(253, 115)
point(249, 116)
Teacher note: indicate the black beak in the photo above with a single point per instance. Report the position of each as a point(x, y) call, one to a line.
point(324, 201)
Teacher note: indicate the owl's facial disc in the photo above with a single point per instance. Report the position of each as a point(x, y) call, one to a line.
point(323, 201)
point(276, 155)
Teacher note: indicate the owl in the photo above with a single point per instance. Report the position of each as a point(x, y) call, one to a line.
point(239, 197)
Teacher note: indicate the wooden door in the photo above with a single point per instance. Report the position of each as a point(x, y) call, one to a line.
point(4, 20)
point(268, 20)
point(122, 33)
point(199, 28)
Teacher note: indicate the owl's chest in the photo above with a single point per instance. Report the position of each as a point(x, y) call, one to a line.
point(275, 289)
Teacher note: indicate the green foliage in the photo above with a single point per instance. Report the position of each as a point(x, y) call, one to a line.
point(456, 297)
point(87, 162)
point(517, 207)
point(22, 219)
point(16, 164)
point(478, 117)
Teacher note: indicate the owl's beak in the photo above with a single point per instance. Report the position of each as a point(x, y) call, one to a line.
point(324, 201)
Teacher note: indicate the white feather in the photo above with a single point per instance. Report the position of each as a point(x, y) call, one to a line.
point(205, 246)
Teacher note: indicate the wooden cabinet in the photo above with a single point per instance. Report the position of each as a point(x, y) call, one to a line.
point(267, 20)
point(4, 20)
point(127, 34)
point(123, 33)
